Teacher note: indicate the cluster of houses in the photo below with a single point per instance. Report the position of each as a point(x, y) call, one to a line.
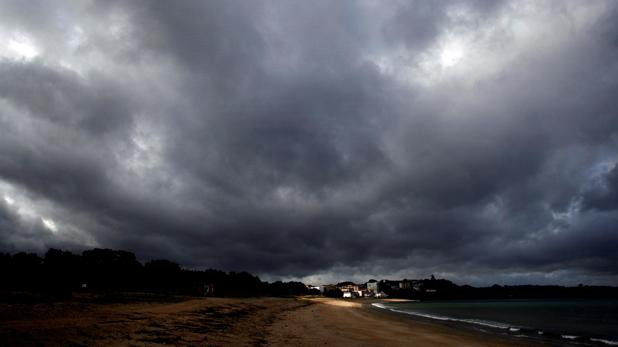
point(374, 289)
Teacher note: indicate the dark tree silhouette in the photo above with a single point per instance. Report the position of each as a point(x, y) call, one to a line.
point(60, 273)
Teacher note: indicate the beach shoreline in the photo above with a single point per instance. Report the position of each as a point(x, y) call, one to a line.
point(186, 321)
point(539, 332)
point(355, 322)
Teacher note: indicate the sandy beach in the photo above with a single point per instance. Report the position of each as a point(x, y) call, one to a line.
point(331, 322)
point(222, 322)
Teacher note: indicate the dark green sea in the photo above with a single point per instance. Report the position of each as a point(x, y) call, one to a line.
point(575, 322)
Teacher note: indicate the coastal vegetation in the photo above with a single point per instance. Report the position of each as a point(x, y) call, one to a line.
point(59, 273)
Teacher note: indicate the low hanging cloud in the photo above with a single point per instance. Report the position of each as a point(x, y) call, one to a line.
point(318, 141)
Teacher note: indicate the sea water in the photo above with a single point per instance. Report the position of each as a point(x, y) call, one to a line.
point(582, 321)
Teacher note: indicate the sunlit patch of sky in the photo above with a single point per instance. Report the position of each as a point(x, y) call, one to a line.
point(19, 47)
point(49, 224)
point(33, 211)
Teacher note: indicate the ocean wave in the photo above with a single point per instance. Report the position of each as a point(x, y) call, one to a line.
point(486, 323)
point(378, 305)
point(607, 342)
point(491, 324)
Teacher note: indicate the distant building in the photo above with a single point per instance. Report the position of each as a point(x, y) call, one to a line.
point(327, 288)
point(372, 286)
point(209, 289)
point(348, 287)
point(381, 295)
point(390, 285)
point(320, 288)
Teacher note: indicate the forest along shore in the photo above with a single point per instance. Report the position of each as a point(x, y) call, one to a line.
point(148, 320)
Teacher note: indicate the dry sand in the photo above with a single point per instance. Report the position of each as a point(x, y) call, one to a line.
point(221, 322)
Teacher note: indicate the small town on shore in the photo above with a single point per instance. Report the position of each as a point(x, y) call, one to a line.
point(440, 289)
point(379, 289)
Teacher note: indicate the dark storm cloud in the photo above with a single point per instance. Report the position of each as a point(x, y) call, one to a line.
point(474, 139)
point(417, 23)
point(61, 97)
point(604, 197)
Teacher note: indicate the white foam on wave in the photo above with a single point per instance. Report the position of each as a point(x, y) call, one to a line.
point(486, 323)
point(450, 319)
point(607, 342)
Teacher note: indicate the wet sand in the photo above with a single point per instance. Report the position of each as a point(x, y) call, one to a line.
point(351, 323)
point(221, 322)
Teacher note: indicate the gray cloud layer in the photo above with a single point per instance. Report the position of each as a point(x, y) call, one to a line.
point(474, 139)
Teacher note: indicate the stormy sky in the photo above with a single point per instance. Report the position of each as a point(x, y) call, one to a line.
point(316, 140)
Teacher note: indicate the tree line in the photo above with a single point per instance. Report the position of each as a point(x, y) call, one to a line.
point(442, 289)
point(60, 273)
